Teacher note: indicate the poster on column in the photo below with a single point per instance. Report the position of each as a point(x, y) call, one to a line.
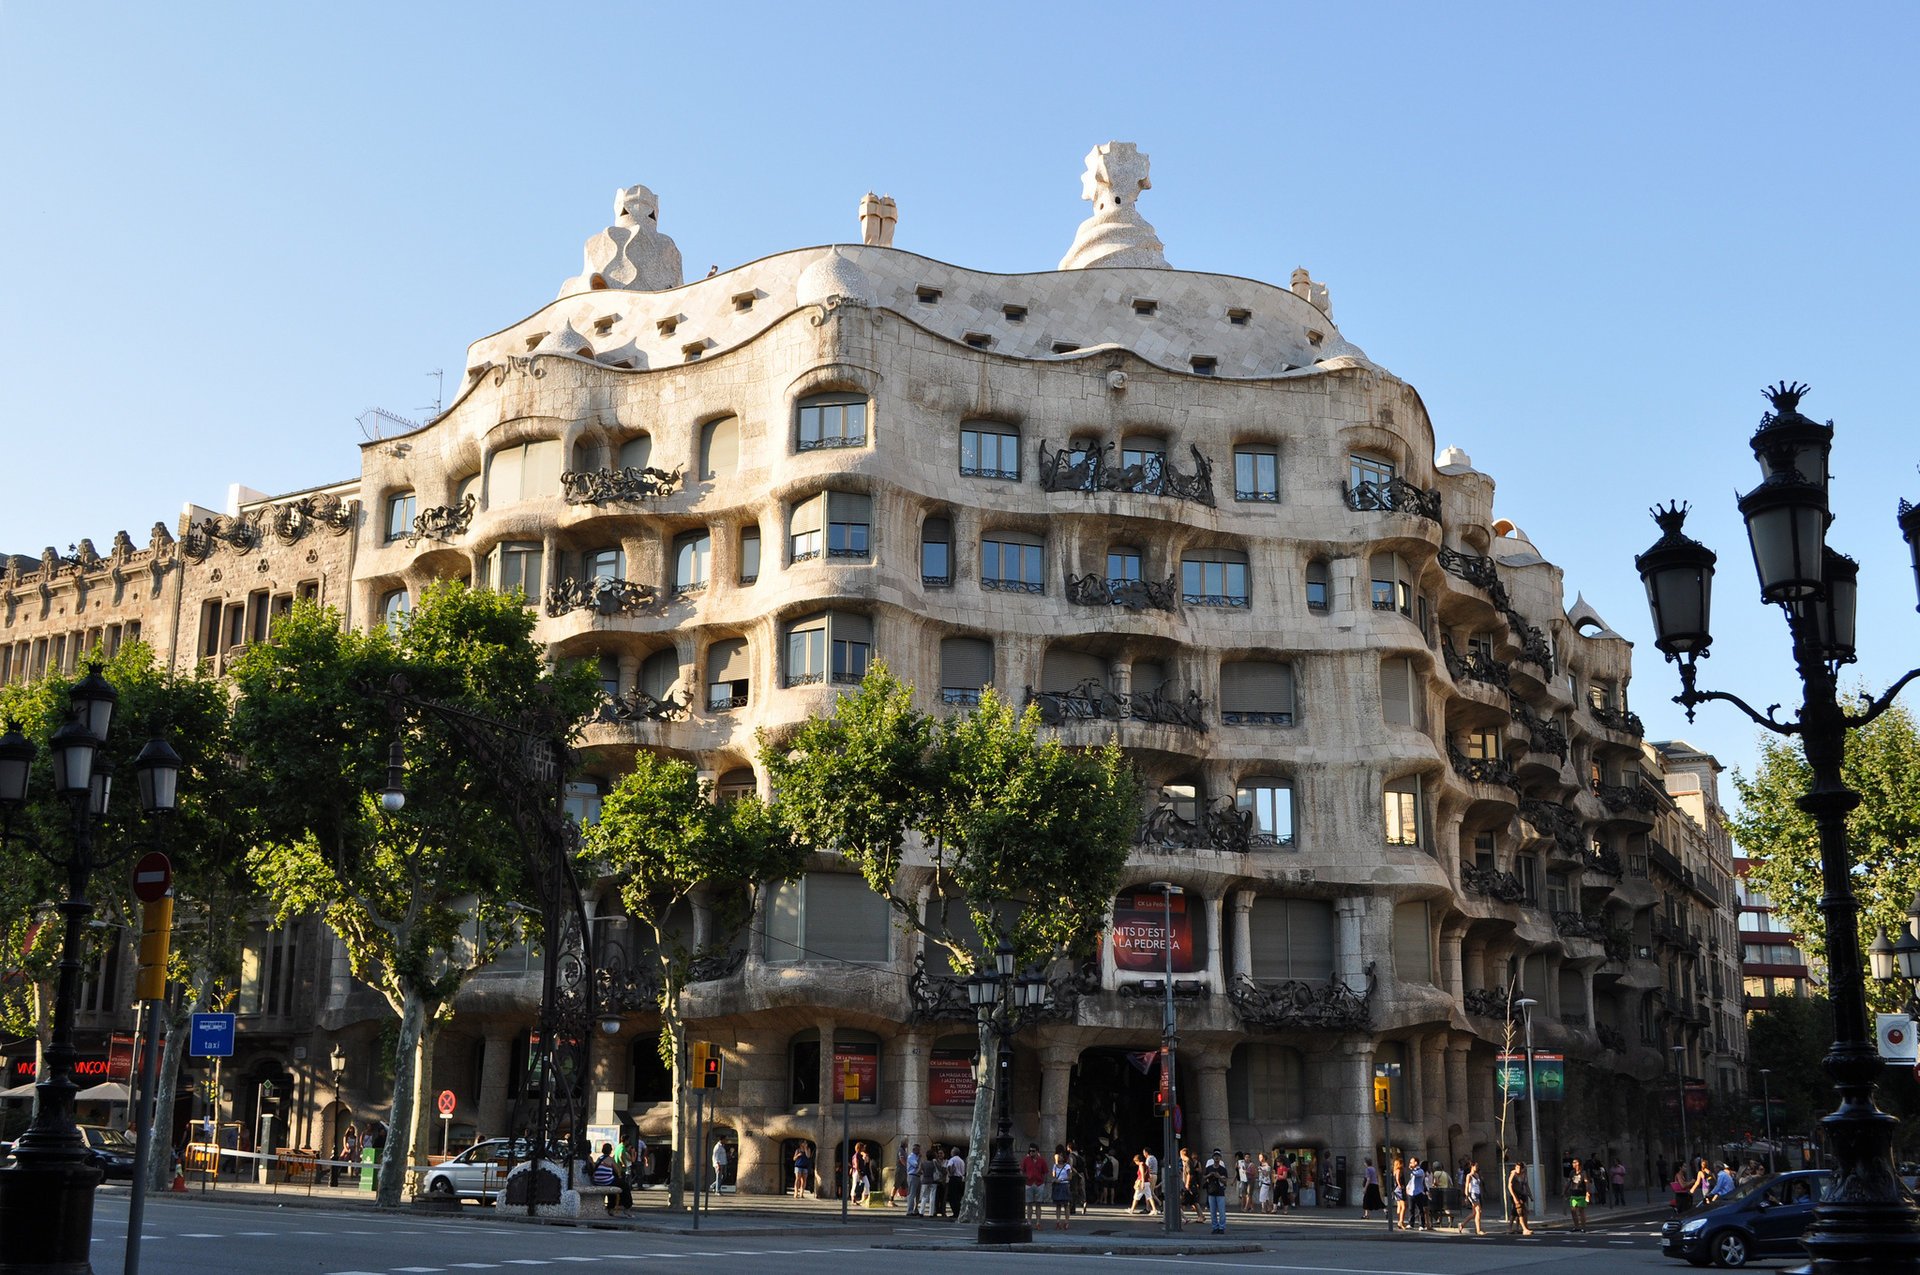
point(950, 1081)
point(1140, 933)
point(864, 1062)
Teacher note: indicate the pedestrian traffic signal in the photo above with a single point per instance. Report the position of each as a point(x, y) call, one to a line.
point(710, 1072)
point(706, 1065)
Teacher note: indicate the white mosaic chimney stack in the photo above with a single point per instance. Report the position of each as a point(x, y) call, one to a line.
point(1116, 234)
point(1312, 292)
point(878, 213)
point(631, 254)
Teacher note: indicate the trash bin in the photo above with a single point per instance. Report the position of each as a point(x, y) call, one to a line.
point(369, 1159)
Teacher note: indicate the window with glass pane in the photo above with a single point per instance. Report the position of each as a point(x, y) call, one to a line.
point(849, 521)
point(1481, 645)
point(1011, 563)
point(719, 448)
point(659, 673)
point(749, 555)
point(850, 656)
point(827, 917)
point(1214, 577)
point(516, 565)
point(1483, 856)
point(1402, 811)
point(607, 675)
point(604, 564)
point(727, 674)
point(395, 607)
point(804, 529)
point(1369, 469)
point(523, 471)
point(1256, 474)
point(1557, 892)
point(1527, 869)
point(400, 513)
point(1150, 454)
point(1291, 939)
point(832, 420)
point(936, 553)
point(582, 803)
point(807, 652)
point(966, 666)
point(1412, 942)
point(1483, 744)
point(989, 452)
point(1271, 803)
point(636, 453)
point(692, 558)
point(1123, 564)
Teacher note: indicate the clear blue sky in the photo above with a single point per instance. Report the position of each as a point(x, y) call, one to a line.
point(1588, 235)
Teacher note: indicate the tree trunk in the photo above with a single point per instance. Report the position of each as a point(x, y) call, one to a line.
point(425, 1113)
point(677, 1179)
point(979, 1131)
point(400, 1117)
point(160, 1160)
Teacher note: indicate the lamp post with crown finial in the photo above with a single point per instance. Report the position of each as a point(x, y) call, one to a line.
point(1867, 1222)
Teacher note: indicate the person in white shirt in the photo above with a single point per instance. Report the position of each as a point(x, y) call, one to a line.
point(719, 1164)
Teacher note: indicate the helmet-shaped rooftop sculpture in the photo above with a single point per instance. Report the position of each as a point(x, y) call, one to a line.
point(1116, 234)
point(630, 254)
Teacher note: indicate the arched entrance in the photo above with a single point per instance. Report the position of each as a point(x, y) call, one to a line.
point(1110, 1103)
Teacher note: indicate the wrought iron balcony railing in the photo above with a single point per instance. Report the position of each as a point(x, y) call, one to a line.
point(1543, 736)
point(1557, 822)
point(1092, 701)
point(1475, 570)
point(1619, 719)
point(1299, 1004)
point(1492, 883)
point(1092, 590)
point(636, 705)
point(627, 485)
point(600, 595)
point(1489, 1002)
point(442, 522)
point(1089, 470)
point(1221, 827)
point(1481, 770)
point(1475, 666)
point(1391, 495)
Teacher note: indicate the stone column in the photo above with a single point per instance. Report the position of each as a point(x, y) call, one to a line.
point(1452, 977)
point(915, 1122)
point(490, 1112)
point(1459, 1107)
point(1473, 964)
point(1586, 984)
point(629, 672)
point(1434, 1114)
point(1350, 953)
point(827, 1127)
point(1056, 1072)
point(1215, 958)
point(757, 1085)
point(1213, 1126)
point(1242, 933)
point(1352, 1128)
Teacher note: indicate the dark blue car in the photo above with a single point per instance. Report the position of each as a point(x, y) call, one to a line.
point(1765, 1220)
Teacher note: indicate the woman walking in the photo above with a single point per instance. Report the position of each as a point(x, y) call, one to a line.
point(1473, 1197)
point(1519, 1196)
point(1142, 1187)
point(1370, 1197)
point(1062, 1189)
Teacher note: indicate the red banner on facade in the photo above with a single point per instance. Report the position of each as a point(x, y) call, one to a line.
point(950, 1081)
point(120, 1057)
point(1140, 933)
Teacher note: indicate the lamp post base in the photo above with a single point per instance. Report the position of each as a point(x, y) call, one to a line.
point(46, 1218)
point(1003, 1204)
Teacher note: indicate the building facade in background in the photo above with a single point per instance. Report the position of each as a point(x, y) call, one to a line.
point(1398, 780)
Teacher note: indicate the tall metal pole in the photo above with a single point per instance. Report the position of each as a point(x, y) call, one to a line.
point(1766, 1105)
point(1169, 1042)
point(1535, 1177)
point(846, 1139)
point(143, 1149)
point(1680, 1079)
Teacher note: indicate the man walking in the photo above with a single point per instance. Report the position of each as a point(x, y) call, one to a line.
point(719, 1166)
point(913, 1181)
point(956, 1182)
point(1417, 1197)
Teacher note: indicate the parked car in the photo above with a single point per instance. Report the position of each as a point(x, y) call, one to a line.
point(1765, 1220)
point(480, 1172)
point(110, 1149)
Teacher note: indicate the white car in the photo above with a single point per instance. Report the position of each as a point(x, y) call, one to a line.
point(480, 1172)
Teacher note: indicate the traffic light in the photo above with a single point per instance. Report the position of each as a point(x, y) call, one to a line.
point(710, 1072)
point(706, 1065)
point(156, 938)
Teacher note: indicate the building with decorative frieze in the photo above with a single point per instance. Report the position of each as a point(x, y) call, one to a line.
point(1397, 778)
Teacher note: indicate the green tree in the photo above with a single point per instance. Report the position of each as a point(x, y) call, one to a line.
point(672, 847)
point(1031, 835)
point(1883, 766)
point(1789, 1038)
point(424, 897)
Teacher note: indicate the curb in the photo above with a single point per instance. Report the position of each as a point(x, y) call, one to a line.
point(1083, 1250)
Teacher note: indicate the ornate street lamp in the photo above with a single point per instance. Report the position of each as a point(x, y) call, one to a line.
point(1171, 1182)
point(1001, 1001)
point(1868, 1223)
point(46, 1194)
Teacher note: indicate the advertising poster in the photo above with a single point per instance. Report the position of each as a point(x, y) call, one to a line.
point(1139, 933)
point(120, 1057)
point(864, 1062)
point(1510, 1073)
point(950, 1078)
point(1549, 1077)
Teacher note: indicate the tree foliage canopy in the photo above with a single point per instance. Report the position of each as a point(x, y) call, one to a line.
point(1883, 833)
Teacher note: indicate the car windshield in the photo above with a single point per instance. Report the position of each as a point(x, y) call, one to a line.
point(1788, 1189)
point(109, 1139)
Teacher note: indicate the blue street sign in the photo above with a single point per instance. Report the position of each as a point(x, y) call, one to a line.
point(211, 1036)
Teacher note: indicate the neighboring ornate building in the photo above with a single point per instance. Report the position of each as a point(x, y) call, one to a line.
point(1397, 779)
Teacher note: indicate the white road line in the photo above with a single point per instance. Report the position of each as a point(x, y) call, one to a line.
point(419, 1270)
point(256, 1234)
point(199, 1235)
point(474, 1266)
point(356, 1273)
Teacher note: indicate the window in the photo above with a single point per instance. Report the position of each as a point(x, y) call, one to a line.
point(849, 523)
point(1256, 693)
point(727, 674)
point(1392, 587)
point(1265, 1084)
point(1204, 364)
point(989, 451)
point(852, 648)
point(1483, 855)
point(636, 453)
point(836, 645)
point(468, 486)
point(1064, 671)
point(804, 530)
point(524, 471)
point(1412, 943)
point(395, 607)
point(604, 564)
point(607, 675)
point(735, 784)
point(1291, 939)
point(1123, 565)
point(926, 295)
point(832, 420)
point(1402, 811)
point(966, 666)
point(1214, 578)
point(267, 971)
point(692, 559)
point(1145, 306)
point(719, 448)
point(1558, 897)
point(936, 553)
point(749, 554)
point(1363, 469)
point(660, 672)
point(1014, 313)
point(582, 803)
point(1271, 803)
point(1317, 586)
point(515, 564)
point(827, 916)
point(1526, 869)
point(1238, 317)
point(400, 513)
point(1256, 474)
point(1013, 561)
point(1150, 457)
point(1482, 744)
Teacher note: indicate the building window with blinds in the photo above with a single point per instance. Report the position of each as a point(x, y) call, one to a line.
point(636, 453)
point(1317, 587)
point(692, 561)
point(1401, 806)
point(659, 673)
point(989, 451)
point(1412, 943)
point(749, 554)
point(832, 420)
point(829, 917)
point(1392, 584)
point(1256, 693)
point(849, 524)
point(604, 564)
point(804, 530)
point(835, 645)
point(400, 511)
point(1073, 681)
point(966, 667)
point(525, 471)
point(1291, 939)
point(1214, 578)
point(1256, 474)
point(1266, 1083)
point(936, 553)
point(1269, 801)
point(1013, 562)
point(719, 448)
point(267, 974)
point(1400, 686)
point(727, 674)
point(515, 565)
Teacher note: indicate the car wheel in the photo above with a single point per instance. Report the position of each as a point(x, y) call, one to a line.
point(442, 1187)
point(1729, 1248)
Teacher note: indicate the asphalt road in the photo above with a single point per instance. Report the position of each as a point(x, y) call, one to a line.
point(192, 1236)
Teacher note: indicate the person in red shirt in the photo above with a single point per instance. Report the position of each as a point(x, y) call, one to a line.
point(1033, 1169)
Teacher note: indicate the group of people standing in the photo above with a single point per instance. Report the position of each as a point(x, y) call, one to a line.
point(936, 1181)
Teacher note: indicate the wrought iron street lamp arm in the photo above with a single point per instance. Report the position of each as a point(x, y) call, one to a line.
point(1689, 698)
point(1882, 704)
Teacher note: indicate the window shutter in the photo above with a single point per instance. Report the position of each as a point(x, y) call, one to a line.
point(720, 448)
point(847, 506)
point(1396, 693)
point(783, 922)
point(727, 660)
point(635, 453)
point(1256, 686)
point(850, 626)
point(1310, 938)
point(937, 531)
point(1148, 675)
point(541, 476)
point(1267, 935)
point(805, 517)
point(966, 663)
point(845, 920)
point(503, 476)
point(660, 672)
point(749, 552)
point(1066, 670)
point(1317, 572)
point(1412, 954)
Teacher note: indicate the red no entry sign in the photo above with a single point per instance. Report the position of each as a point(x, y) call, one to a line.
point(152, 877)
point(446, 1102)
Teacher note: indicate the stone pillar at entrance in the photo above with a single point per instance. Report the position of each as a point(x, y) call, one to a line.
point(1242, 935)
point(1434, 1112)
point(915, 1122)
point(490, 1112)
point(826, 1138)
point(1056, 1071)
point(1350, 952)
point(1352, 1128)
point(1215, 957)
point(1451, 975)
point(1212, 1127)
point(1458, 1111)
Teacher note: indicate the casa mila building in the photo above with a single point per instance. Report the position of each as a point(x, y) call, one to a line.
point(1394, 774)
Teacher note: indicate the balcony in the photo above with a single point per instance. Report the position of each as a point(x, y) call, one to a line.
point(1091, 471)
point(1092, 590)
point(1491, 883)
point(1476, 666)
point(1092, 701)
point(1481, 770)
point(1621, 798)
point(1489, 1002)
point(636, 705)
point(1543, 736)
point(1578, 925)
point(628, 485)
point(1556, 822)
point(1391, 495)
point(1620, 719)
point(1222, 827)
point(1475, 570)
point(600, 595)
point(1294, 1004)
point(442, 522)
